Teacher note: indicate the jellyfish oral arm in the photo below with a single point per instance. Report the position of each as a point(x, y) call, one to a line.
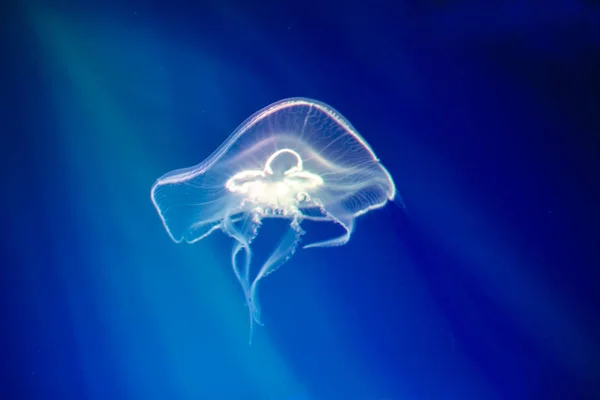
point(284, 251)
point(242, 238)
point(346, 222)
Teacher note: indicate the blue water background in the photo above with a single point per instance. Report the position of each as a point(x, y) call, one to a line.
point(484, 287)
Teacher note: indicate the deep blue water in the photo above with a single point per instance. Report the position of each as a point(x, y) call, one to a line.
point(485, 286)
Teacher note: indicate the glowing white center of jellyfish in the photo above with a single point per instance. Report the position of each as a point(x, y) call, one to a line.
point(279, 191)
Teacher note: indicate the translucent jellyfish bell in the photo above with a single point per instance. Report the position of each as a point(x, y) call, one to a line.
point(296, 159)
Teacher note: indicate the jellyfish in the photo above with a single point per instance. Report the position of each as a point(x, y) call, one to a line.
point(297, 159)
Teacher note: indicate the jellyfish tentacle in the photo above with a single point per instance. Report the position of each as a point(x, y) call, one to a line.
point(253, 311)
point(240, 243)
point(346, 221)
point(280, 255)
point(243, 238)
point(284, 251)
point(248, 233)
